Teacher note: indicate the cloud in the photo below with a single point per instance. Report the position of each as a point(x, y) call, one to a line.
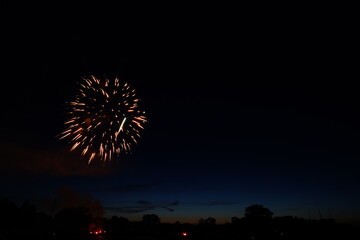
point(175, 203)
point(129, 209)
point(57, 162)
point(213, 203)
point(222, 203)
point(136, 209)
point(132, 187)
point(169, 209)
point(143, 206)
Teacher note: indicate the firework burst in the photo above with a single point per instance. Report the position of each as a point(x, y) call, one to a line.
point(105, 119)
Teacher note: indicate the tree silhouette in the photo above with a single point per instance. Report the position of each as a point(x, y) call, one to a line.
point(151, 219)
point(72, 221)
point(210, 221)
point(25, 222)
point(117, 225)
point(235, 220)
point(9, 215)
point(207, 221)
point(27, 214)
point(258, 221)
point(258, 212)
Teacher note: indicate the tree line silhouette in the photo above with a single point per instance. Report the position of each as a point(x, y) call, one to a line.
point(25, 222)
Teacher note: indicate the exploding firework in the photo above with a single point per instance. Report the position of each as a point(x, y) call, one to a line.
point(105, 119)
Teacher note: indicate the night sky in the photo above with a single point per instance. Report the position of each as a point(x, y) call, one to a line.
point(246, 105)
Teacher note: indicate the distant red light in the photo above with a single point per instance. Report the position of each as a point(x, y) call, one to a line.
point(184, 234)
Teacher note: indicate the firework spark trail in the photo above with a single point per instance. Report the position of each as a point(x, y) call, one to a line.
point(104, 120)
point(122, 124)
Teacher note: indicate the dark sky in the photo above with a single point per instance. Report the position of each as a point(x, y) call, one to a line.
point(246, 104)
